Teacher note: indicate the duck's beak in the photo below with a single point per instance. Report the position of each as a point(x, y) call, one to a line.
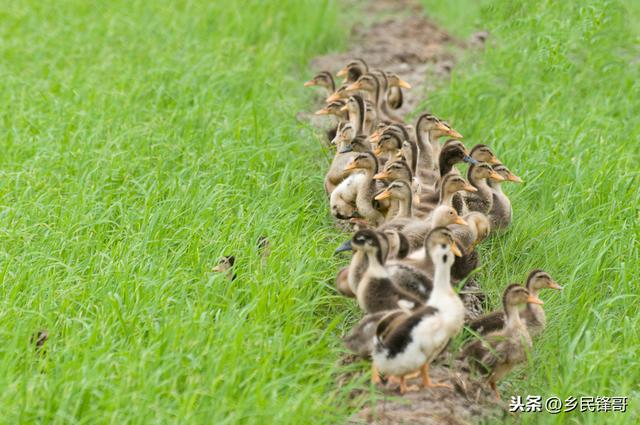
point(335, 96)
point(311, 83)
point(381, 175)
point(456, 251)
point(554, 285)
point(217, 269)
point(514, 178)
point(469, 188)
point(470, 160)
point(344, 247)
point(350, 166)
point(460, 220)
point(402, 83)
point(383, 195)
point(354, 86)
point(343, 72)
point(323, 111)
point(375, 136)
point(345, 108)
point(534, 300)
point(495, 176)
point(448, 131)
point(377, 151)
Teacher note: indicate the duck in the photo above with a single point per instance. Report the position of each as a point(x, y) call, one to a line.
point(395, 97)
point(409, 148)
point(357, 190)
point(409, 342)
point(429, 129)
point(496, 354)
point(225, 265)
point(376, 89)
point(501, 210)
point(533, 315)
point(375, 290)
point(482, 199)
point(356, 110)
point(450, 185)
point(322, 79)
point(360, 339)
point(401, 192)
point(334, 108)
point(346, 150)
point(388, 146)
point(467, 237)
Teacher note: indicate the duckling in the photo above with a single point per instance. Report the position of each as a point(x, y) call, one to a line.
point(353, 70)
point(358, 190)
point(225, 265)
point(322, 79)
point(360, 339)
point(467, 237)
point(500, 351)
point(451, 184)
point(452, 153)
point(401, 192)
point(408, 343)
point(483, 153)
point(501, 210)
point(375, 291)
point(371, 84)
point(409, 147)
point(347, 149)
point(388, 146)
point(429, 129)
point(482, 200)
point(533, 315)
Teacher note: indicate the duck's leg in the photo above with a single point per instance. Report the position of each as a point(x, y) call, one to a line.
point(494, 387)
point(403, 386)
point(375, 374)
point(426, 381)
point(396, 380)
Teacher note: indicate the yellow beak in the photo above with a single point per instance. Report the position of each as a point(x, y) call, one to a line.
point(460, 220)
point(383, 195)
point(323, 111)
point(470, 188)
point(534, 300)
point(311, 83)
point(494, 161)
point(514, 178)
point(335, 96)
point(345, 108)
point(342, 72)
point(350, 166)
point(381, 176)
point(455, 250)
point(495, 176)
point(355, 86)
point(554, 285)
point(402, 83)
point(377, 151)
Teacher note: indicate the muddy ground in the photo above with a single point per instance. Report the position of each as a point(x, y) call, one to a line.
point(396, 36)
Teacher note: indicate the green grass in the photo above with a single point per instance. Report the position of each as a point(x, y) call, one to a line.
point(556, 94)
point(141, 141)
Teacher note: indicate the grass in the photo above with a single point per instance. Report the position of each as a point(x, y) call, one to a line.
point(556, 94)
point(142, 140)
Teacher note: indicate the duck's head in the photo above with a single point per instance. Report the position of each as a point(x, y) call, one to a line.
point(344, 134)
point(388, 142)
point(398, 189)
point(366, 82)
point(334, 108)
point(353, 70)
point(444, 215)
point(483, 153)
point(370, 242)
point(539, 279)
point(395, 170)
point(453, 183)
point(441, 246)
point(482, 170)
point(506, 174)
point(515, 295)
point(396, 81)
point(430, 123)
point(364, 161)
point(453, 152)
point(322, 79)
point(341, 92)
point(357, 144)
point(224, 263)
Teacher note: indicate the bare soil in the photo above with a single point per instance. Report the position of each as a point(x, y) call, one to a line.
point(396, 36)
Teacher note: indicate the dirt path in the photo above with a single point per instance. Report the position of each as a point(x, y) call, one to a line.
point(396, 36)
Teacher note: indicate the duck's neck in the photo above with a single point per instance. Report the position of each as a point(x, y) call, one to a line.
point(514, 322)
point(446, 196)
point(432, 136)
point(405, 207)
point(535, 309)
point(484, 190)
point(495, 186)
point(425, 151)
point(441, 280)
point(357, 267)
